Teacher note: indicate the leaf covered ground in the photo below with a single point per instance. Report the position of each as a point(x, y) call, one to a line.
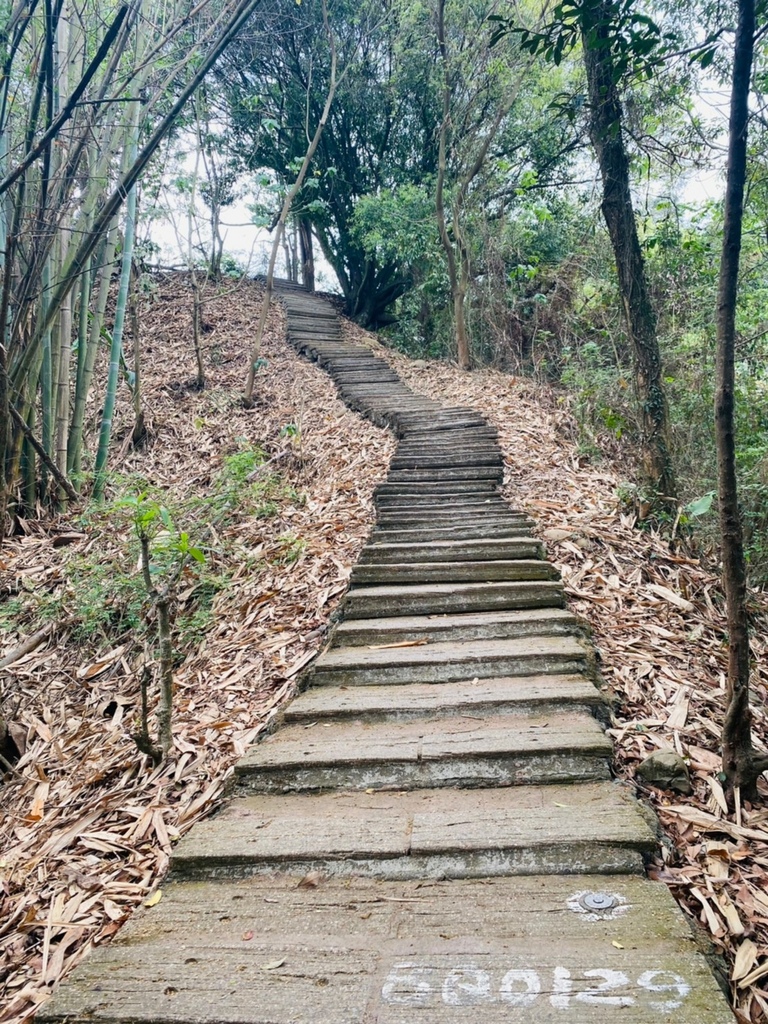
point(656, 613)
point(279, 499)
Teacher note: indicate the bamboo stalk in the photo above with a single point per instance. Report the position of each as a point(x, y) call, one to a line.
point(76, 440)
point(129, 232)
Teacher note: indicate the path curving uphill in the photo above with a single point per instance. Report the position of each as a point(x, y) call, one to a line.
point(432, 835)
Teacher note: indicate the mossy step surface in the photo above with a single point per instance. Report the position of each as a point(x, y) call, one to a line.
point(448, 661)
point(274, 950)
point(459, 627)
point(475, 697)
point(440, 598)
point(562, 745)
point(424, 833)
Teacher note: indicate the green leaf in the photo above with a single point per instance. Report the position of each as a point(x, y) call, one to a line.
point(700, 506)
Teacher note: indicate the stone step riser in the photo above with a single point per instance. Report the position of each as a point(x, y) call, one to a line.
point(549, 768)
point(449, 672)
point(468, 502)
point(594, 705)
point(367, 633)
point(430, 489)
point(366, 604)
point(482, 494)
point(388, 554)
point(440, 474)
point(470, 523)
point(554, 858)
point(426, 535)
point(365, 575)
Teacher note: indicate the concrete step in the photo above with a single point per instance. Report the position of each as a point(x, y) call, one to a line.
point(445, 598)
point(496, 549)
point(347, 951)
point(434, 833)
point(459, 627)
point(424, 489)
point(420, 462)
point(371, 574)
point(422, 533)
point(442, 504)
point(362, 376)
point(477, 697)
point(470, 523)
point(425, 752)
point(444, 474)
point(447, 432)
point(446, 661)
point(431, 516)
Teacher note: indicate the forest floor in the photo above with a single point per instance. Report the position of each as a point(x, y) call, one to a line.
point(279, 499)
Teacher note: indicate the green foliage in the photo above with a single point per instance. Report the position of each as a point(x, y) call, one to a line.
point(102, 590)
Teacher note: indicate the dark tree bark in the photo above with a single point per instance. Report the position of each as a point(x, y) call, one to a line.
point(307, 255)
point(740, 764)
point(605, 129)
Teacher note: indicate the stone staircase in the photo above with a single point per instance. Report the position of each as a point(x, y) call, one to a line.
point(432, 834)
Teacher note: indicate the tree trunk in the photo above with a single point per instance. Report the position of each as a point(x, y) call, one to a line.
point(286, 209)
point(740, 763)
point(307, 255)
point(462, 340)
point(605, 128)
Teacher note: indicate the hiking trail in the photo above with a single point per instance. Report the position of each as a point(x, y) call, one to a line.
point(432, 835)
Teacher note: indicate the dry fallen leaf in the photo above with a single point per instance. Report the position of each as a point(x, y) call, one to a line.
point(746, 955)
point(311, 880)
point(272, 965)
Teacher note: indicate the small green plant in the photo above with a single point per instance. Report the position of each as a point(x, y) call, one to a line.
point(154, 528)
point(291, 549)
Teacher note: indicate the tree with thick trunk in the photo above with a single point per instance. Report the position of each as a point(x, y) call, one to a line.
point(740, 763)
point(605, 129)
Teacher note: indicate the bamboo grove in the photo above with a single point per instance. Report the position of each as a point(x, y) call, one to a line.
point(88, 93)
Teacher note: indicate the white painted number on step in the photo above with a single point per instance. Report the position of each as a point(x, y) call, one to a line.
point(410, 984)
point(467, 986)
point(406, 983)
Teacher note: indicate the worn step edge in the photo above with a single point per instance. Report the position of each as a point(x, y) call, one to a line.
point(460, 627)
point(437, 598)
point(498, 549)
point(591, 827)
point(495, 695)
point(372, 573)
point(419, 753)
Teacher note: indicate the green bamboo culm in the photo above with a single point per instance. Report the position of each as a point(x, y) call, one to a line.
point(46, 380)
point(84, 384)
point(117, 333)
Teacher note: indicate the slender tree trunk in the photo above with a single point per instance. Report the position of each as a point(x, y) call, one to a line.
point(286, 209)
point(139, 429)
point(307, 255)
point(197, 317)
point(605, 128)
point(76, 441)
point(117, 331)
point(740, 764)
point(462, 341)
point(63, 374)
